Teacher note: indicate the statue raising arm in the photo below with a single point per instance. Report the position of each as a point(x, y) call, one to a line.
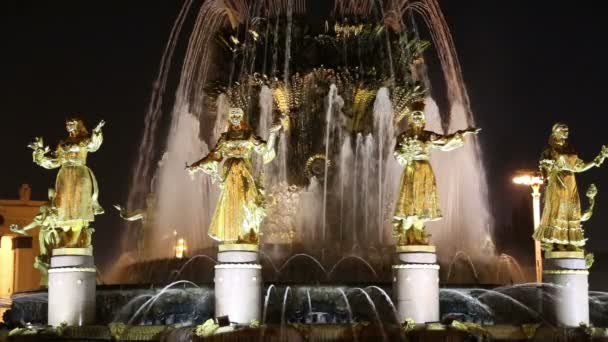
point(266, 148)
point(581, 166)
point(96, 137)
point(560, 164)
point(41, 155)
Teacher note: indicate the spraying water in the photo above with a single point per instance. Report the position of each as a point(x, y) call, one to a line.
point(353, 201)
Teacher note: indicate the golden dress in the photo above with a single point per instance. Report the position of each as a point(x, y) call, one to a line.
point(418, 197)
point(240, 208)
point(561, 219)
point(75, 186)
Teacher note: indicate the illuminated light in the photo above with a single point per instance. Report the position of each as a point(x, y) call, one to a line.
point(254, 278)
point(180, 248)
point(79, 281)
point(528, 178)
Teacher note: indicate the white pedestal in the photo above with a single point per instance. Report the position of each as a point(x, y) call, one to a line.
point(567, 270)
point(416, 284)
point(238, 284)
point(72, 281)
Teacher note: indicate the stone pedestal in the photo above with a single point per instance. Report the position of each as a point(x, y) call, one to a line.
point(416, 283)
point(72, 281)
point(568, 272)
point(238, 283)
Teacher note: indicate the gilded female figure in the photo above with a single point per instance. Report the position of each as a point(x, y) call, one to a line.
point(241, 206)
point(560, 225)
point(76, 188)
point(418, 201)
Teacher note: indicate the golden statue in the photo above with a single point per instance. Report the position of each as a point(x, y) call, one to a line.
point(560, 225)
point(147, 217)
point(75, 186)
point(241, 206)
point(48, 238)
point(417, 201)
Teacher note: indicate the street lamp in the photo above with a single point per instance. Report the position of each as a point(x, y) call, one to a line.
point(533, 179)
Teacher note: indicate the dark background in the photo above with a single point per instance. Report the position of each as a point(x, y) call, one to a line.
point(526, 67)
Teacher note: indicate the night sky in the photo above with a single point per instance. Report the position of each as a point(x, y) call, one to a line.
point(525, 68)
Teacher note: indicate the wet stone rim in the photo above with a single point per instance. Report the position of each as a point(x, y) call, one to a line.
point(417, 266)
point(580, 272)
point(238, 266)
point(72, 269)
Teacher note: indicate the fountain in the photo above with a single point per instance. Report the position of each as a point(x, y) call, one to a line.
point(339, 96)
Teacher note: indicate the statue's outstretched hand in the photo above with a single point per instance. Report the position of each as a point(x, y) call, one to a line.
point(99, 126)
point(190, 168)
point(275, 128)
point(469, 131)
point(473, 130)
point(591, 191)
point(38, 145)
point(15, 229)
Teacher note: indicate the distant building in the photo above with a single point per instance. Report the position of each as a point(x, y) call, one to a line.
point(17, 252)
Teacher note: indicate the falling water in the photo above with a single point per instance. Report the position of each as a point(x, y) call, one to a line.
point(331, 99)
point(288, 41)
point(287, 289)
point(462, 195)
point(363, 160)
point(309, 300)
point(146, 148)
point(345, 170)
point(181, 199)
point(350, 312)
point(368, 167)
point(355, 187)
point(266, 300)
point(347, 303)
point(150, 302)
point(310, 203)
point(384, 135)
point(375, 311)
point(388, 300)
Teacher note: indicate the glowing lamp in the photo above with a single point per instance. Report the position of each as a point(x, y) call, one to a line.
point(528, 177)
point(180, 248)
